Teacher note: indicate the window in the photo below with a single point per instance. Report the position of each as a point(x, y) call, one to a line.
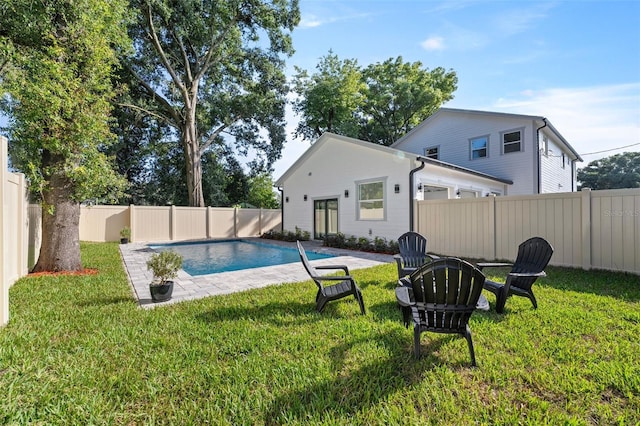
point(479, 147)
point(563, 160)
point(431, 152)
point(545, 145)
point(512, 142)
point(371, 200)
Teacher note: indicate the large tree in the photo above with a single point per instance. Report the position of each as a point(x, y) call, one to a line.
point(399, 96)
point(328, 99)
point(59, 90)
point(379, 103)
point(616, 171)
point(213, 71)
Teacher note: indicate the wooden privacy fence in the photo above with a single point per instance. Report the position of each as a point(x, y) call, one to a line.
point(13, 229)
point(588, 229)
point(164, 223)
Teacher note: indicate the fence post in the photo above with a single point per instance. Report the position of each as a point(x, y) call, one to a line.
point(23, 223)
point(260, 222)
point(132, 226)
point(235, 222)
point(494, 226)
point(586, 228)
point(172, 222)
point(209, 224)
point(4, 279)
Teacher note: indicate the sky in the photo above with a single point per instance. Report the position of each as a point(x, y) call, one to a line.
point(577, 62)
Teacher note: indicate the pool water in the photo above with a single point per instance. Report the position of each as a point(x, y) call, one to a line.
point(234, 255)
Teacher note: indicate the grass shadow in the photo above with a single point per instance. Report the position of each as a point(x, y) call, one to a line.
point(353, 388)
point(620, 285)
point(277, 313)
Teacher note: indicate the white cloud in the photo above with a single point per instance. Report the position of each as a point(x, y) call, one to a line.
point(592, 119)
point(520, 20)
point(433, 43)
point(310, 22)
point(313, 21)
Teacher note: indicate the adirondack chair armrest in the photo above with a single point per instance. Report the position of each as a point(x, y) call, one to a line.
point(404, 282)
point(493, 265)
point(335, 278)
point(526, 274)
point(404, 296)
point(342, 267)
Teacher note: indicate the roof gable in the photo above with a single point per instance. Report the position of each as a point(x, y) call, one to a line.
point(332, 138)
point(541, 121)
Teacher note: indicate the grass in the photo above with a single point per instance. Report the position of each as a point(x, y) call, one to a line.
point(78, 350)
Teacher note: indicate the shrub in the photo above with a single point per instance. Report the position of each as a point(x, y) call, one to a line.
point(378, 245)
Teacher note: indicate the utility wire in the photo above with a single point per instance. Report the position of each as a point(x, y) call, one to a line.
point(612, 149)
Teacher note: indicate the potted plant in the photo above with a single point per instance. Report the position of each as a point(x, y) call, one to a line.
point(165, 266)
point(125, 234)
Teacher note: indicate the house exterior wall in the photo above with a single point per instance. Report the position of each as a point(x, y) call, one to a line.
point(451, 132)
point(558, 171)
point(468, 185)
point(336, 166)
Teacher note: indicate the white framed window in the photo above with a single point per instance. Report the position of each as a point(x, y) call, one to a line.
point(511, 141)
point(479, 147)
point(545, 145)
point(432, 152)
point(371, 199)
point(563, 160)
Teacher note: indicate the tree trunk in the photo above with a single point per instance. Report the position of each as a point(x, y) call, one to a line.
point(193, 159)
point(60, 249)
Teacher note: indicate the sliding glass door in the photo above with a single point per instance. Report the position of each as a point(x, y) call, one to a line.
point(325, 218)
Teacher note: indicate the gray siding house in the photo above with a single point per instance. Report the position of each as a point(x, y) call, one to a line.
point(525, 149)
point(346, 185)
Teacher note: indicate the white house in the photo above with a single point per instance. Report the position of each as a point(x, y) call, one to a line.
point(359, 188)
point(525, 149)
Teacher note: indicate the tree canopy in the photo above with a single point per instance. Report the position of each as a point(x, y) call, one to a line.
point(213, 72)
point(614, 172)
point(379, 103)
point(57, 60)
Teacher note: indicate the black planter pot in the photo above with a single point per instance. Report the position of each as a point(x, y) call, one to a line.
point(161, 293)
point(124, 241)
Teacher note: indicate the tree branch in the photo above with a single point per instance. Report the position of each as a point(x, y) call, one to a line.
point(215, 44)
point(149, 113)
point(163, 57)
point(212, 137)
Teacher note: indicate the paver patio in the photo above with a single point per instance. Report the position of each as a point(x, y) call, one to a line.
point(187, 287)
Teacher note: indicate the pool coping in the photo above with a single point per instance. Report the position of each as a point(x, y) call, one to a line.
point(187, 287)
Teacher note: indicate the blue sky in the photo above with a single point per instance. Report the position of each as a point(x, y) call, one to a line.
point(575, 62)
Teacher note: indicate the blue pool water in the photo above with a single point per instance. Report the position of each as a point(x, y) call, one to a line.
point(233, 255)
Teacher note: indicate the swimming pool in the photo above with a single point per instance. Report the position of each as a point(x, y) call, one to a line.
point(205, 258)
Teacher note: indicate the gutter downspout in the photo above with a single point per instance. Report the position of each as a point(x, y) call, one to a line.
point(539, 166)
point(411, 173)
point(279, 188)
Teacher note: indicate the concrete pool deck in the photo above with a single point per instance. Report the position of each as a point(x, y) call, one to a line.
point(187, 287)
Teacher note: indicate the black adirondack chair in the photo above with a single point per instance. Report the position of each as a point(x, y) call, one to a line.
point(440, 296)
point(345, 284)
point(533, 256)
point(413, 253)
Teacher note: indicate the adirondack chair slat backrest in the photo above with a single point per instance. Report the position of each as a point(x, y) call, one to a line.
point(446, 292)
point(533, 256)
point(413, 249)
point(313, 273)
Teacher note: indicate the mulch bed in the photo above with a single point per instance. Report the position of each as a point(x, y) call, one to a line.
point(86, 271)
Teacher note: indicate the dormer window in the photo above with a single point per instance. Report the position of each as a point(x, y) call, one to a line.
point(432, 152)
point(512, 141)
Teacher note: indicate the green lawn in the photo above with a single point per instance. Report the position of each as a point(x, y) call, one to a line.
point(78, 350)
